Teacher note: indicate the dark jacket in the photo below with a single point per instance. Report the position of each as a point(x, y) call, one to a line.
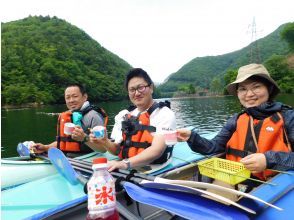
point(275, 160)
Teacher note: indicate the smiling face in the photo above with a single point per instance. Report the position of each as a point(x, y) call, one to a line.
point(140, 93)
point(74, 99)
point(252, 93)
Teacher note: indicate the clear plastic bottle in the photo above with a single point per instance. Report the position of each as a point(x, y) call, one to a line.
point(101, 193)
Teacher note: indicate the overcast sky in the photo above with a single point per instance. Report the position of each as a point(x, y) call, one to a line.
point(162, 35)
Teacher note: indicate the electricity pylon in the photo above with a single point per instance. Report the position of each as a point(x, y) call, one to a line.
point(254, 47)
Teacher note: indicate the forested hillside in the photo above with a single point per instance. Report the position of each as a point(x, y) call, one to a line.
point(201, 71)
point(40, 55)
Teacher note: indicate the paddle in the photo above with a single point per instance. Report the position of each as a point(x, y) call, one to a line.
point(58, 158)
point(24, 151)
point(63, 166)
point(190, 190)
point(159, 183)
point(193, 184)
point(199, 185)
point(183, 204)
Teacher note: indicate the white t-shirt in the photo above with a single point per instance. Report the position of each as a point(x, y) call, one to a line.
point(162, 118)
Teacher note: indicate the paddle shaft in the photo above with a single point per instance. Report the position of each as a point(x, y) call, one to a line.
point(138, 181)
point(88, 167)
point(125, 173)
point(115, 174)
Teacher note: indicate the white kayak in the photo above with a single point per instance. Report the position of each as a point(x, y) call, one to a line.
point(23, 170)
point(20, 170)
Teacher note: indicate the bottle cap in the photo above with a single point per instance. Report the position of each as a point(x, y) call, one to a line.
point(100, 160)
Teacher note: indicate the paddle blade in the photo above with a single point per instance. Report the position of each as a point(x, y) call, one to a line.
point(23, 150)
point(62, 165)
point(183, 204)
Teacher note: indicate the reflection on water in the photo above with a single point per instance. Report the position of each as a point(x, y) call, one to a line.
point(206, 114)
point(39, 124)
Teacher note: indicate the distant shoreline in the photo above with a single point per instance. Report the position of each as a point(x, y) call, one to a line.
point(26, 105)
point(198, 96)
point(36, 105)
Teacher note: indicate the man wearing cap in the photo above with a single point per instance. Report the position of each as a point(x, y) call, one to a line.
point(262, 135)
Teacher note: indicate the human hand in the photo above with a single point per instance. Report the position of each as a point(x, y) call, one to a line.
point(78, 134)
point(114, 164)
point(99, 141)
point(183, 134)
point(255, 162)
point(39, 148)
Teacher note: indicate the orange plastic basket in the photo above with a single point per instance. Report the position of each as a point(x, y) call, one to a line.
point(225, 170)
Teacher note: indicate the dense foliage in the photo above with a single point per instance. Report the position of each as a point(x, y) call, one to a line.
point(288, 35)
point(208, 72)
point(40, 55)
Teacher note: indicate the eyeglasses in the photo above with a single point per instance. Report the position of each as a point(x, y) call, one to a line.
point(254, 89)
point(140, 89)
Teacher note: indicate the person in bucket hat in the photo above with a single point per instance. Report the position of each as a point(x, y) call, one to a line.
point(256, 70)
point(262, 135)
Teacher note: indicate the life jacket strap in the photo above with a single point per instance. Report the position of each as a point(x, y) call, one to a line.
point(65, 139)
point(131, 126)
point(127, 144)
point(238, 153)
point(158, 105)
point(147, 128)
point(101, 111)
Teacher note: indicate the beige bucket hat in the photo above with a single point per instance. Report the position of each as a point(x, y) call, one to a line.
point(247, 71)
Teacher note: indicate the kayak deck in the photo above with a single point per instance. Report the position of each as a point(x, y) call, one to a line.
point(53, 196)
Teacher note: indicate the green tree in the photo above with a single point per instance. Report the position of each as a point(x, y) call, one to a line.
point(191, 89)
point(229, 77)
point(40, 55)
point(187, 88)
point(281, 73)
point(216, 86)
point(288, 34)
point(277, 66)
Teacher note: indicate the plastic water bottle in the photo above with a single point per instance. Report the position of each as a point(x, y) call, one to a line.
point(101, 193)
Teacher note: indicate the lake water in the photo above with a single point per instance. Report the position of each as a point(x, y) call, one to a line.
point(39, 124)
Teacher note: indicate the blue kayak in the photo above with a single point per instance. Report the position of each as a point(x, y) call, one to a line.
point(281, 195)
point(47, 196)
point(52, 194)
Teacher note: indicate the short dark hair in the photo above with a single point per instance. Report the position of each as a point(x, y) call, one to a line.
point(137, 72)
point(80, 86)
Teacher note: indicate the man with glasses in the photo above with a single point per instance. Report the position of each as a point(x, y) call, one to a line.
point(137, 136)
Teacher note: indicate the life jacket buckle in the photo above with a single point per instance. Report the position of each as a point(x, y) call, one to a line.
point(130, 126)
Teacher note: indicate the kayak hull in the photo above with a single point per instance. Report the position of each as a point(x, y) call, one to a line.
point(17, 170)
point(56, 198)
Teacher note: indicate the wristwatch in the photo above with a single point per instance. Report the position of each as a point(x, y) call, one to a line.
point(127, 162)
point(86, 139)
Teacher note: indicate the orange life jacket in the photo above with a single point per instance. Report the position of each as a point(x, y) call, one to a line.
point(270, 136)
point(137, 134)
point(64, 141)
